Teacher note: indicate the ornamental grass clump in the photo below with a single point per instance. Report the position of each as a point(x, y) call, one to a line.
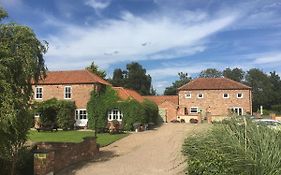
point(237, 147)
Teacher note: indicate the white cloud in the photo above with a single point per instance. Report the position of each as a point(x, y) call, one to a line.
point(132, 38)
point(98, 4)
point(269, 58)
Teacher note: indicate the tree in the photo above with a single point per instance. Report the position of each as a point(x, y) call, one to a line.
point(183, 79)
point(261, 88)
point(21, 61)
point(235, 74)
point(210, 73)
point(275, 80)
point(118, 78)
point(134, 77)
point(96, 70)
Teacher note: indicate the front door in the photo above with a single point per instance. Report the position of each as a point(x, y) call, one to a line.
point(81, 117)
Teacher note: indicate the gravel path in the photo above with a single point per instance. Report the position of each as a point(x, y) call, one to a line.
point(144, 153)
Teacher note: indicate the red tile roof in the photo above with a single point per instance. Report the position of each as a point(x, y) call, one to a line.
point(126, 94)
point(161, 99)
point(72, 77)
point(213, 84)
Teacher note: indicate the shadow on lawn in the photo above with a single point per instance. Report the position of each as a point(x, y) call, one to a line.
point(103, 156)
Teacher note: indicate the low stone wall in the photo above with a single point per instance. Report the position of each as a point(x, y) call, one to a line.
point(49, 157)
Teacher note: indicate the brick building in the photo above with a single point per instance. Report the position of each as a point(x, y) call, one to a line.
point(168, 106)
point(69, 85)
point(215, 98)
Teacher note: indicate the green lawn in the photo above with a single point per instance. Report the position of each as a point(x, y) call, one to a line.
point(72, 136)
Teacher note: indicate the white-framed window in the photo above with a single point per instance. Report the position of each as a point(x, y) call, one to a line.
point(81, 114)
point(114, 114)
point(67, 92)
point(38, 92)
point(238, 110)
point(225, 95)
point(187, 95)
point(200, 95)
point(194, 110)
point(239, 95)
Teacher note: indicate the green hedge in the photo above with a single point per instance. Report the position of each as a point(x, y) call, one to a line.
point(276, 108)
point(60, 112)
point(234, 148)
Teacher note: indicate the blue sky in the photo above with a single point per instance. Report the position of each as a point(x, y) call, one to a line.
point(165, 36)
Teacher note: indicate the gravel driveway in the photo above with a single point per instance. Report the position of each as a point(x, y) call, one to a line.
point(152, 152)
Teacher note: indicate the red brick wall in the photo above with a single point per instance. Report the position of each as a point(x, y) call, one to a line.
point(171, 110)
point(214, 102)
point(80, 93)
point(61, 155)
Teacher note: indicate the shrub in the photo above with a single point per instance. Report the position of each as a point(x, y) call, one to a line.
point(151, 111)
point(60, 112)
point(48, 111)
point(193, 120)
point(234, 148)
point(65, 114)
point(133, 112)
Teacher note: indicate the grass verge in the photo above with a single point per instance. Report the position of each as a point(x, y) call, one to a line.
point(73, 137)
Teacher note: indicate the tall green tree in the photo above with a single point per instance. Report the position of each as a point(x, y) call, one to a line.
point(134, 77)
point(21, 61)
point(261, 88)
point(118, 78)
point(235, 74)
point(275, 80)
point(210, 73)
point(96, 70)
point(183, 79)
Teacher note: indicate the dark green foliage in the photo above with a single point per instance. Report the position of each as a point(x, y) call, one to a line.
point(65, 115)
point(151, 111)
point(237, 147)
point(118, 78)
point(235, 74)
point(21, 60)
point(261, 87)
point(134, 77)
point(48, 111)
point(60, 112)
point(183, 79)
point(210, 73)
point(276, 108)
point(99, 105)
point(96, 70)
point(133, 112)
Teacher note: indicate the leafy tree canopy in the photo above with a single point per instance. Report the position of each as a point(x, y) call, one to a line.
point(235, 74)
point(134, 77)
point(183, 79)
point(210, 73)
point(21, 60)
point(96, 70)
point(261, 87)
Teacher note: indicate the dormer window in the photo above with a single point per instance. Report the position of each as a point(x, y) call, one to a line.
point(188, 95)
point(225, 95)
point(67, 92)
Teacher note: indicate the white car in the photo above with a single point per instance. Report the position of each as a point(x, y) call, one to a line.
point(274, 124)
